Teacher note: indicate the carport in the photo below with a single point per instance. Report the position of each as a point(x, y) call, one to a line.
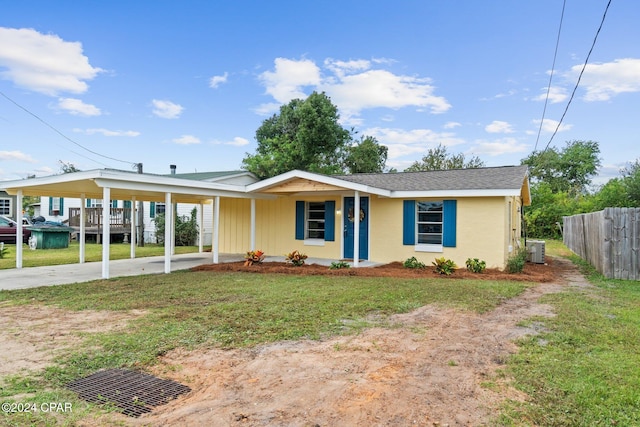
point(111, 184)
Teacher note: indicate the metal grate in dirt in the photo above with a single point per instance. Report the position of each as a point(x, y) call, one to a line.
point(134, 393)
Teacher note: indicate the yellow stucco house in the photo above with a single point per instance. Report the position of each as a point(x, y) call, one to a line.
point(456, 214)
point(382, 217)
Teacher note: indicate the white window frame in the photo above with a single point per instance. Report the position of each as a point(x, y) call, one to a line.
point(308, 240)
point(429, 247)
point(8, 207)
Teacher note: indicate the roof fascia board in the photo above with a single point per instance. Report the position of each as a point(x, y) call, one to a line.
point(324, 179)
point(456, 193)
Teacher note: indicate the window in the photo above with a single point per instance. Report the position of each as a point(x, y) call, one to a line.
point(5, 206)
point(429, 223)
point(94, 203)
point(56, 206)
point(156, 209)
point(314, 220)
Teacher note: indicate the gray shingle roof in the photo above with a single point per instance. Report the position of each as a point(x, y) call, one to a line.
point(504, 177)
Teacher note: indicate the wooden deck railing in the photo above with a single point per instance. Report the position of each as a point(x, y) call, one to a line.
point(118, 217)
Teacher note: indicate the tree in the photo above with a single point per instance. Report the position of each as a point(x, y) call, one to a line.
point(305, 135)
point(439, 159)
point(570, 169)
point(367, 156)
point(631, 179)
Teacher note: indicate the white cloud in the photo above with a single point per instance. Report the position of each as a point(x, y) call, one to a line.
point(289, 78)
point(78, 108)
point(498, 126)
point(216, 81)
point(44, 62)
point(551, 125)
point(352, 85)
point(107, 132)
point(605, 80)
point(187, 140)
point(166, 109)
point(267, 109)
point(498, 147)
point(405, 142)
point(452, 125)
point(18, 156)
point(237, 142)
point(556, 94)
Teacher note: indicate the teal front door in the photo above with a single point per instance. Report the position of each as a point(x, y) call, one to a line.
point(349, 222)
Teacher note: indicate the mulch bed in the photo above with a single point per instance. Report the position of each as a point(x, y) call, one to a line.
point(547, 272)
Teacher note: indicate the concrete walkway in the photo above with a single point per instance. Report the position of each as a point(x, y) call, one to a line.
point(32, 277)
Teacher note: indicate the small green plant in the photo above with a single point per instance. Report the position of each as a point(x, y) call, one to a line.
point(413, 263)
point(337, 265)
point(475, 265)
point(296, 258)
point(445, 266)
point(516, 262)
point(3, 250)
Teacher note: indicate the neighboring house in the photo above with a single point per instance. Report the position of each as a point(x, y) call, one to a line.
point(8, 205)
point(456, 214)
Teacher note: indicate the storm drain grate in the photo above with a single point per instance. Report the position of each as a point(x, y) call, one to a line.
point(133, 392)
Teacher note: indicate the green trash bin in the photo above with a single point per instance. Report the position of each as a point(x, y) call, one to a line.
point(51, 237)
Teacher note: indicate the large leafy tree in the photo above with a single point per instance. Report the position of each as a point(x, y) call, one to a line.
point(569, 169)
point(366, 156)
point(304, 135)
point(439, 159)
point(631, 179)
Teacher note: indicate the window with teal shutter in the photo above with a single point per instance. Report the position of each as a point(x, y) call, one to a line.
point(316, 220)
point(429, 223)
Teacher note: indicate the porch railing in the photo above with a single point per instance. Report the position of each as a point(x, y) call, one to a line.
point(118, 217)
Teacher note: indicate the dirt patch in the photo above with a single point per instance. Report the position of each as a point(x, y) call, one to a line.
point(32, 336)
point(531, 273)
point(434, 367)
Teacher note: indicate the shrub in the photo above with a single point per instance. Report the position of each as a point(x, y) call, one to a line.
point(337, 265)
point(475, 265)
point(253, 257)
point(516, 262)
point(186, 228)
point(444, 266)
point(296, 258)
point(413, 263)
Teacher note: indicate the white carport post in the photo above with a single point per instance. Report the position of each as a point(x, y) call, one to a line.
point(356, 229)
point(19, 229)
point(215, 244)
point(168, 227)
point(173, 226)
point(252, 244)
point(201, 229)
point(106, 230)
point(132, 232)
point(81, 237)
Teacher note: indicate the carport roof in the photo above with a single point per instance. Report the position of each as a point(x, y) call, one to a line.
point(125, 185)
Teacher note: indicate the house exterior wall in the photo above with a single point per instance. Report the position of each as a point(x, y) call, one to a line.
point(482, 229)
point(8, 206)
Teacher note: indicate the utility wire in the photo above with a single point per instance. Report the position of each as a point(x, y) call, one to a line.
point(553, 67)
point(579, 76)
point(66, 137)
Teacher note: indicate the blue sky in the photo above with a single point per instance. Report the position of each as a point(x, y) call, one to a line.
point(189, 82)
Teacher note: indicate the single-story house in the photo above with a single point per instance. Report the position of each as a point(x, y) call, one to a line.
point(383, 217)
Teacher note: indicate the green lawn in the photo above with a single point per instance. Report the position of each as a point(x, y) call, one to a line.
point(70, 255)
point(583, 370)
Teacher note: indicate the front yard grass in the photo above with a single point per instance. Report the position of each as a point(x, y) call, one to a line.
point(70, 255)
point(199, 310)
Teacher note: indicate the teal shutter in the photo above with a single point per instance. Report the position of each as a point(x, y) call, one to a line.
point(299, 220)
point(152, 210)
point(330, 221)
point(449, 215)
point(409, 222)
point(114, 203)
point(61, 205)
point(88, 203)
point(50, 205)
point(127, 204)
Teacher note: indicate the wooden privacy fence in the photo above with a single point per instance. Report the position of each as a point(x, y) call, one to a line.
point(609, 240)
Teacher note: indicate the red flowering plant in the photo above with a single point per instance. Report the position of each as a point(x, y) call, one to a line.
point(253, 257)
point(296, 258)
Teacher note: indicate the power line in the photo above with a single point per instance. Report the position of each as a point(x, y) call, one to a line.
point(553, 66)
point(579, 76)
point(66, 137)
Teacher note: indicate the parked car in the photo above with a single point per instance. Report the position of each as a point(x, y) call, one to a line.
point(8, 230)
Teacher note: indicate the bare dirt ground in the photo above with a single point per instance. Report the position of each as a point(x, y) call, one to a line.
point(430, 367)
